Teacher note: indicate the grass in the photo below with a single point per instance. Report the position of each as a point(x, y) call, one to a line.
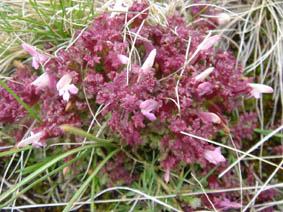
point(255, 34)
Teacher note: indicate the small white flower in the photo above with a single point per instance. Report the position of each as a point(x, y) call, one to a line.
point(33, 139)
point(258, 89)
point(65, 87)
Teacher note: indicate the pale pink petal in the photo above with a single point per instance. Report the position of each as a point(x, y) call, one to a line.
point(35, 63)
point(30, 49)
point(150, 116)
point(210, 117)
point(65, 87)
point(33, 139)
point(223, 18)
point(215, 156)
point(66, 96)
point(226, 204)
point(210, 42)
point(204, 74)
point(37, 57)
point(73, 89)
point(42, 81)
point(204, 88)
point(148, 63)
point(167, 175)
point(147, 106)
point(123, 59)
point(64, 81)
point(258, 89)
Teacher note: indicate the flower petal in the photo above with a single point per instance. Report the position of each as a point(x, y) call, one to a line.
point(258, 89)
point(148, 63)
point(66, 96)
point(37, 57)
point(226, 204)
point(64, 81)
point(33, 139)
point(42, 81)
point(148, 105)
point(215, 156)
point(209, 42)
point(73, 89)
point(210, 117)
point(35, 63)
point(167, 175)
point(150, 116)
point(123, 59)
point(204, 74)
point(30, 49)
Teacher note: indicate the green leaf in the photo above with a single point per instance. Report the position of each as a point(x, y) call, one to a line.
point(37, 172)
point(34, 167)
point(88, 180)
point(83, 133)
point(13, 151)
point(44, 177)
point(266, 132)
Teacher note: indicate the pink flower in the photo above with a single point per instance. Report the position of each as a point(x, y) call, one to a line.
point(147, 106)
point(215, 156)
point(204, 74)
point(65, 87)
point(204, 88)
point(42, 81)
point(34, 139)
point(210, 117)
point(226, 204)
point(148, 63)
point(223, 18)
point(209, 42)
point(37, 58)
point(258, 89)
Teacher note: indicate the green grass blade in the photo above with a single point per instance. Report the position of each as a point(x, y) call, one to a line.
point(77, 131)
point(44, 177)
point(266, 132)
point(33, 175)
point(88, 180)
point(31, 111)
point(13, 151)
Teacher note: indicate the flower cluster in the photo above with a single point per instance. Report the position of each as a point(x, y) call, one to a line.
point(175, 81)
